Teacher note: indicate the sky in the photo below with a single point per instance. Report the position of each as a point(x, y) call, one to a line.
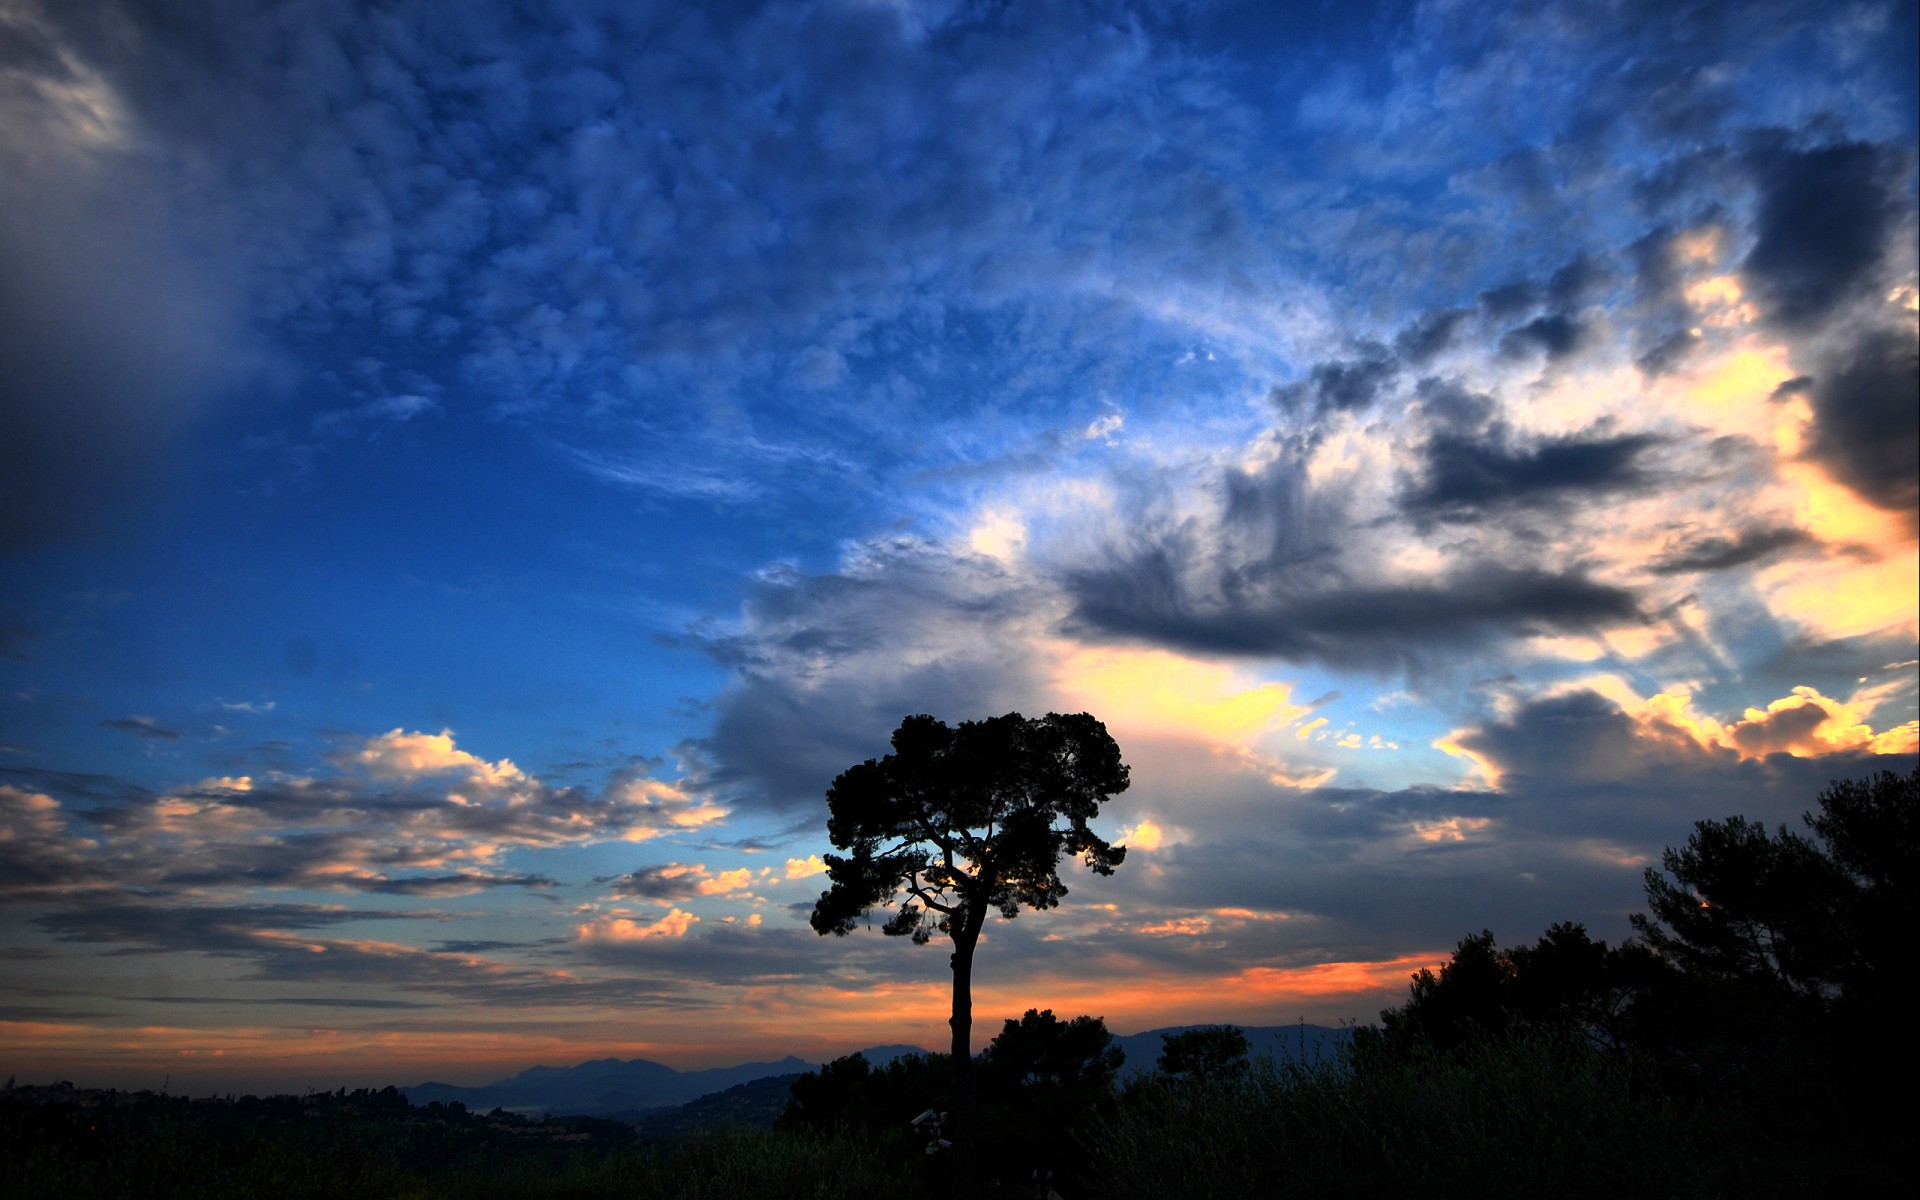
point(472, 476)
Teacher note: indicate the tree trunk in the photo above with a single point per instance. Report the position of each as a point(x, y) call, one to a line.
point(965, 1148)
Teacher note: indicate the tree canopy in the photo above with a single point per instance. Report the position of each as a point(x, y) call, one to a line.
point(1042, 1052)
point(1211, 1052)
point(966, 819)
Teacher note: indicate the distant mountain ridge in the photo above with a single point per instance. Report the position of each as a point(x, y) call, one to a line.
point(636, 1086)
point(1282, 1043)
point(606, 1086)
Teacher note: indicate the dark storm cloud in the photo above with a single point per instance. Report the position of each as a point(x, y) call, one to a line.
point(1367, 626)
point(1430, 334)
point(1723, 553)
point(1343, 385)
point(1578, 282)
point(737, 954)
point(1557, 335)
point(1669, 353)
point(1866, 418)
point(1799, 385)
point(1510, 300)
point(106, 357)
point(1466, 475)
point(459, 884)
point(1822, 228)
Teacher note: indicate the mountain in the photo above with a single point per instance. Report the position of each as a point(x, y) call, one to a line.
point(612, 1086)
point(757, 1104)
point(607, 1085)
point(1282, 1043)
point(631, 1088)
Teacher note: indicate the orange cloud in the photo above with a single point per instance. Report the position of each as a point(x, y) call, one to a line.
point(664, 807)
point(1177, 927)
point(724, 882)
point(1804, 724)
point(626, 929)
point(399, 755)
point(801, 868)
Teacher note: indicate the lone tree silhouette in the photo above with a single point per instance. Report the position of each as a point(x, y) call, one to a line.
point(959, 821)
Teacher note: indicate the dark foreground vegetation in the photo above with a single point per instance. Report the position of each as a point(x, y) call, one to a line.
point(62, 1142)
point(1754, 1039)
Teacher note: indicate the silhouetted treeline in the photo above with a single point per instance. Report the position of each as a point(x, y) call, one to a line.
point(1754, 1039)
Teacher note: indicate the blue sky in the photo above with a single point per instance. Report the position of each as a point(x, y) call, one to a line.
point(469, 481)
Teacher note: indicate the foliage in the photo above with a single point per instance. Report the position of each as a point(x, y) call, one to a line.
point(1566, 982)
point(1789, 955)
point(1871, 830)
point(1041, 1052)
point(966, 819)
point(1531, 1115)
point(116, 1145)
point(1745, 905)
point(1807, 920)
point(1215, 1052)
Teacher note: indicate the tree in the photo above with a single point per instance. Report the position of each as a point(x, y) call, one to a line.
point(1567, 982)
point(1749, 908)
point(1040, 1052)
point(1212, 1052)
point(960, 821)
point(1871, 828)
point(1792, 952)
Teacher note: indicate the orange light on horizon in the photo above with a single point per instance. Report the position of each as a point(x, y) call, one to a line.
point(762, 1023)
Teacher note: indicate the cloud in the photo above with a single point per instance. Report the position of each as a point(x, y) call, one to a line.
point(38, 857)
point(1717, 553)
point(143, 727)
point(1388, 624)
point(625, 929)
point(1463, 474)
point(1429, 334)
point(1824, 220)
point(665, 882)
point(412, 815)
point(826, 665)
point(682, 881)
point(1556, 334)
point(1582, 739)
point(1866, 428)
point(1351, 383)
point(805, 868)
point(397, 755)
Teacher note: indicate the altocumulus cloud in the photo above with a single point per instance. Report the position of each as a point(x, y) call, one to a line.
point(408, 813)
